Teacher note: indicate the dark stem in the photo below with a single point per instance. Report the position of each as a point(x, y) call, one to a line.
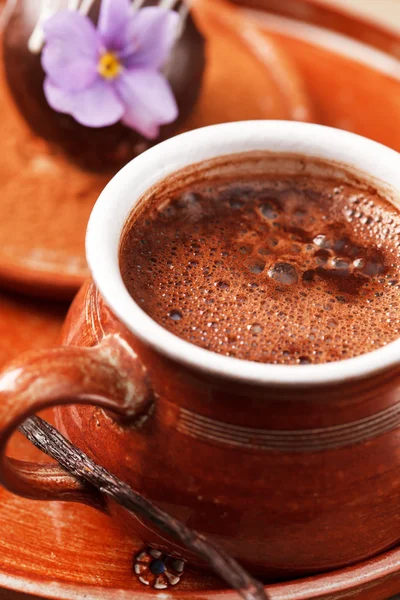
point(52, 443)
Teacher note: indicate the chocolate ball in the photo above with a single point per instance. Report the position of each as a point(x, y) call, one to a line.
point(104, 148)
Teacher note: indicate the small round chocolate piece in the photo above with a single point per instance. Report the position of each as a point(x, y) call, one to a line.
point(104, 148)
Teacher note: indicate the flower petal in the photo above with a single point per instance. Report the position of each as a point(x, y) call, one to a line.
point(70, 55)
point(96, 106)
point(148, 100)
point(150, 35)
point(113, 18)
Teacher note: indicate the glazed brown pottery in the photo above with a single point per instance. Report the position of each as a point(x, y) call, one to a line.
point(292, 469)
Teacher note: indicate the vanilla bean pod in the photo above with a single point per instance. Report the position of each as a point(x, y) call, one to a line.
point(73, 460)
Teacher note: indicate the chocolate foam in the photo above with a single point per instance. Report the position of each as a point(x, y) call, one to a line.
point(287, 269)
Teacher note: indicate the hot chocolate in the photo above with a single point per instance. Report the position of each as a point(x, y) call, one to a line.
point(290, 269)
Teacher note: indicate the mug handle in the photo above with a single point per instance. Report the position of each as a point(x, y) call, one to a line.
point(108, 375)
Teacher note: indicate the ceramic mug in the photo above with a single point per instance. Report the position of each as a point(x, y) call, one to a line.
point(292, 469)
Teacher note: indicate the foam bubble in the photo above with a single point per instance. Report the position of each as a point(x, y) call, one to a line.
point(340, 263)
point(284, 273)
point(359, 263)
point(268, 211)
point(322, 241)
point(175, 315)
point(256, 267)
point(255, 328)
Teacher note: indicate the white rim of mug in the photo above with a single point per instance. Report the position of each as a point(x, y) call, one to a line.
point(117, 200)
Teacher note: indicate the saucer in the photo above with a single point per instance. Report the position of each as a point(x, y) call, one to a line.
point(63, 551)
point(354, 86)
point(45, 201)
point(71, 552)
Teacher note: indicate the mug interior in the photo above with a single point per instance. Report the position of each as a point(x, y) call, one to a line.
point(298, 147)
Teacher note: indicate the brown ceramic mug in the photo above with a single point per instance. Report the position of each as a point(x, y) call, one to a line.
point(292, 469)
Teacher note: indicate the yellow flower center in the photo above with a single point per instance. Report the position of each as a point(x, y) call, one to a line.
point(109, 65)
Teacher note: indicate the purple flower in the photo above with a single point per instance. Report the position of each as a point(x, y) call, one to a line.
point(111, 73)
